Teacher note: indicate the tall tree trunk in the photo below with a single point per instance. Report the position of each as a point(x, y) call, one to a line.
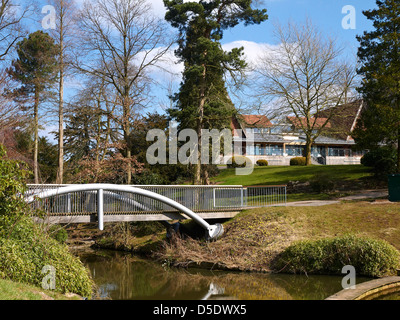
point(200, 120)
point(60, 172)
point(309, 143)
point(206, 178)
point(36, 136)
point(127, 132)
point(197, 166)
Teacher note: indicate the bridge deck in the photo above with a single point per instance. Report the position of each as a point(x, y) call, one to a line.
point(165, 216)
point(208, 202)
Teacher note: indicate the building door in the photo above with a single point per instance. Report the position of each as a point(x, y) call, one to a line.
point(321, 158)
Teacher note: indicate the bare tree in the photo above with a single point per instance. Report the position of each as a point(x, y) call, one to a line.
point(65, 34)
point(122, 40)
point(11, 30)
point(305, 77)
point(10, 110)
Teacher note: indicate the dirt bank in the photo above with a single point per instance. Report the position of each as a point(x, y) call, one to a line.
point(253, 239)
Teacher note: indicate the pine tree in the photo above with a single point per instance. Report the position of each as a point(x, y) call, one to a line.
point(202, 101)
point(379, 55)
point(35, 69)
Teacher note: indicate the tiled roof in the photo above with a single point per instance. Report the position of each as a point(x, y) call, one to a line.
point(336, 132)
point(255, 120)
point(314, 122)
point(342, 119)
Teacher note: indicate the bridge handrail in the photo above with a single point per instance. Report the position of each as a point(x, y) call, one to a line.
point(198, 198)
point(212, 230)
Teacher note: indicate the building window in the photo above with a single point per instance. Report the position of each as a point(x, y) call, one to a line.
point(250, 150)
point(318, 151)
point(359, 153)
point(336, 151)
point(296, 151)
point(279, 129)
point(274, 150)
point(256, 130)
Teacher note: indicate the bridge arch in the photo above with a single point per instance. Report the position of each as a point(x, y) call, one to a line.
point(212, 231)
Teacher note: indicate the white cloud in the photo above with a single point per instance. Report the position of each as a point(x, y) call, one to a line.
point(158, 8)
point(253, 51)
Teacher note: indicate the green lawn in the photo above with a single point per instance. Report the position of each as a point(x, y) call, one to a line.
point(276, 175)
point(10, 290)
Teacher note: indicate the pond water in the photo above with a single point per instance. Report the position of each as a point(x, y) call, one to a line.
point(122, 276)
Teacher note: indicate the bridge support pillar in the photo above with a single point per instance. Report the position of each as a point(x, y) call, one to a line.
point(100, 209)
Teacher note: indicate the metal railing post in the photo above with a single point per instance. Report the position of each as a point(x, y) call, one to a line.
point(69, 207)
point(100, 209)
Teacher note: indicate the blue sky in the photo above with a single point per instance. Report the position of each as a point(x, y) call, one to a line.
point(325, 14)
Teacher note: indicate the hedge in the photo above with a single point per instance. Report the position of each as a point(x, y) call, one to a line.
point(25, 246)
point(298, 161)
point(238, 162)
point(28, 250)
point(262, 163)
point(369, 257)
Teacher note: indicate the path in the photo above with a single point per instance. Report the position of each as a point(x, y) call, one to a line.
point(366, 194)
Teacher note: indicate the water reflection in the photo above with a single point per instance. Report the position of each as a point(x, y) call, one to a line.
point(125, 277)
point(213, 290)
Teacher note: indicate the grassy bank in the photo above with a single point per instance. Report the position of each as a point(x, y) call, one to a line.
point(254, 238)
point(307, 182)
point(29, 252)
point(10, 290)
point(275, 175)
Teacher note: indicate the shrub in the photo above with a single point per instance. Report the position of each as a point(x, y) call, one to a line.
point(12, 186)
point(262, 163)
point(29, 249)
point(369, 257)
point(382, 160)
point(298, 161)
point(238, 162)
point(322, 183)
point(58, 233)
point(25, 248)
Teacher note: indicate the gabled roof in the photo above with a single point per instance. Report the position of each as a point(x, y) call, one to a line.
point(314, 122)
point(343, 119)
point(255, 120)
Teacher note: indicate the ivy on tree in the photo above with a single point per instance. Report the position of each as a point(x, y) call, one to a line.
point(202, 101)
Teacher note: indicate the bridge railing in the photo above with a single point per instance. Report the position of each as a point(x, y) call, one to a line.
point(208, 198)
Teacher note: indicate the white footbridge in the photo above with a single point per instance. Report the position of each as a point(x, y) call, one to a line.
point(84, 203)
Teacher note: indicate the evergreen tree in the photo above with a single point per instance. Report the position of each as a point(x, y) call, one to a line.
point(379, 55)
point(202, 101)
point(35, 69)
